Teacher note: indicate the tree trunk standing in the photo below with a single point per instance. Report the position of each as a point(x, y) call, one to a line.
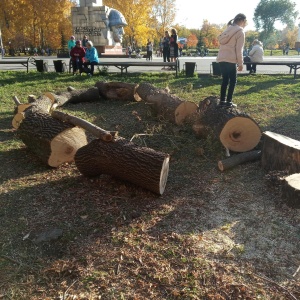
point(280, 153)
point(236, 130)
point(125, 160)
point(53, 141)
point(291, 190)
point(118, 91)
point(166, 105)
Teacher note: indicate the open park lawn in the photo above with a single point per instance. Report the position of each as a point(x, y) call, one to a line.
point(211, 235)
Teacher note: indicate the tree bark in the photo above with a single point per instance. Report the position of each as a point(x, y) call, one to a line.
point(280, 152)
point(125, 160)
point(291, 190)
point(52, 140)
point(236, 130)
point(165, 105)
point(118, 91)
point(238, 159)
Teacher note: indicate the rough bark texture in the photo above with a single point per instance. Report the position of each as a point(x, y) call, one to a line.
point(53, 141)
point(165, 105)
point(118, 91)
point(125, 160)
point(236, 130)
point(291, 190)
point(280, 152)
point(238, 159)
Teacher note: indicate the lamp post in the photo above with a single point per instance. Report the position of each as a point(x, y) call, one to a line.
point(1, 44)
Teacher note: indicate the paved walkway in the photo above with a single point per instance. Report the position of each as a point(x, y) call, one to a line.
point(203, 64)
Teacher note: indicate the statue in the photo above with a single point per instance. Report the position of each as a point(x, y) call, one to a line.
point(116, 24)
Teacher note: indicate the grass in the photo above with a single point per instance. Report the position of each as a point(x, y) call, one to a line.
point(211, 235)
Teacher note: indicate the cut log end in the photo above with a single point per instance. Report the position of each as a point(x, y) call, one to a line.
point(164, 175)
point(184, 110)
point(291, 190)
point(240, 134)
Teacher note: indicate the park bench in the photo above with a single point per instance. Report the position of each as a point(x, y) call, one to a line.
point(24, 62)
point(293, 65)
point(124, 65)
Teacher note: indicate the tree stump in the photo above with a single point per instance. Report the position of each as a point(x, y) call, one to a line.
point(52, 140)
point(165, 105)
point(291, 190)
point(280, 152)
point(118, 91)
point(236, 130)
point(125, 160)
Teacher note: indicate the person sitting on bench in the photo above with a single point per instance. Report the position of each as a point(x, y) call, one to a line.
point(256, 55)
point(77, 54)
point(91, 58)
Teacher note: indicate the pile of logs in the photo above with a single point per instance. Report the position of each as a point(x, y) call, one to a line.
point(56, 137)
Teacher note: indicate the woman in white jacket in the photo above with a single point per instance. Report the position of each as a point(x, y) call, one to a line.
point(230, 57)
point(256, 55)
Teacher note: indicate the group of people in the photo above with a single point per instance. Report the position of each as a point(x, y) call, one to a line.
point(83, 54)
point(230, 57)
point(169, 46)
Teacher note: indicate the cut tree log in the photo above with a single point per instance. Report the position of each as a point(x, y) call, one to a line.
point(125, 160)
point(236, 130)
point(118, 91)
point(104, 135)
point(75, 96)
point(291, 190)
point(238, 159)
point(167, 106)
point(280, 152)
point(52, 140)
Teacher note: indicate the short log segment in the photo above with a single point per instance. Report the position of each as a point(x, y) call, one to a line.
point(291, 190)
point(125, 160)
point(165, 105)
point(118, 91)
point(280, 152)
point(53, 141)
point(238, 159)
point(236, 130)
point(104, 135)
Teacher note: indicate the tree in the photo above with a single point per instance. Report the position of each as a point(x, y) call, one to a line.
point(192, 40)
point(268, 12)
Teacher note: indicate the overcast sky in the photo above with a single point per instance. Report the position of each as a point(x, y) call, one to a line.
point(191, 13)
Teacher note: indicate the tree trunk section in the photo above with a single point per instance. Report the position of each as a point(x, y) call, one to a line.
point(291, 190)
point(165, 105)
point(118, 91)
point(238, 159)
point(280, 152)
point(53, 141)
point(236, 130)
point(125, 160)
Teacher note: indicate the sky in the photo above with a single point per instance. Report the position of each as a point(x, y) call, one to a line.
point(191, 13)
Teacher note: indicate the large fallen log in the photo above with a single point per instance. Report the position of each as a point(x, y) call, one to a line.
point(75, 96)
point(291, 190)
point(165, 105)
point(280, 152)
point(118, 91)
point(53, 141)
point(125, 160)
point(236, 130)
point(238, 159)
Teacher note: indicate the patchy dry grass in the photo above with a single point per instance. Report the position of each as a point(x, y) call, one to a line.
point(211, 235)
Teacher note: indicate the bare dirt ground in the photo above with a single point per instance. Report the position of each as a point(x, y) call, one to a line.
point(211, 235)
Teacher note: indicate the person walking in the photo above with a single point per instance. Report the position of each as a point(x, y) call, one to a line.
point(230, 57)
point(149, 48)
point(91, 57)
point(77, 55)
point(71, 43)
point(256, 55)
point(166, 47)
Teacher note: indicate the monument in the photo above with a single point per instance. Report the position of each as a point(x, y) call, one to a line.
point(104, 26)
